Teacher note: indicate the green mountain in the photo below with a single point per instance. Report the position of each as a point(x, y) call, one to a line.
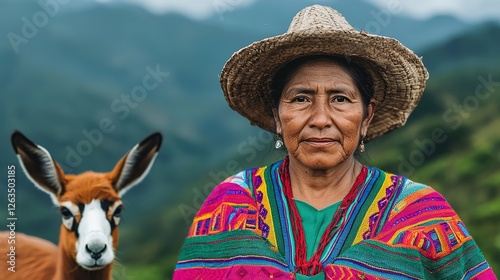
point(85, 63)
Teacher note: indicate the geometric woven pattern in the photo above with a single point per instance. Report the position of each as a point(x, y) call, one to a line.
point(394, 229)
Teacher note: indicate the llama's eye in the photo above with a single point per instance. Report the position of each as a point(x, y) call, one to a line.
point(118, 211)
point(66, 214)
point(117, 215)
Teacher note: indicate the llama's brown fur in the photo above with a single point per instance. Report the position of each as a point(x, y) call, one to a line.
point(33, 256)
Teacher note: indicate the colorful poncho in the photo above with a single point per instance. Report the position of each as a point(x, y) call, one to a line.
point(394, 229)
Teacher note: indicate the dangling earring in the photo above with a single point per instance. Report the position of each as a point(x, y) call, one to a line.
point(362, 146)
point(279, 142)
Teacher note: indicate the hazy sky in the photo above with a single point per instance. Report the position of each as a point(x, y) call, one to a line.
point(469, 10)
point(464, 9)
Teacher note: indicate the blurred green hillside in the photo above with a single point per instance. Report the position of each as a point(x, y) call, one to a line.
point(77, 70)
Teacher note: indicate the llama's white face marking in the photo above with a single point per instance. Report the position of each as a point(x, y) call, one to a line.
point(94, 246)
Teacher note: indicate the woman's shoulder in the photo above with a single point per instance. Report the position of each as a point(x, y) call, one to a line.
point(231, 205)
point(418, 208)
point(410, 198)
point(241, 179)
point(408, 190)
point(247, 178)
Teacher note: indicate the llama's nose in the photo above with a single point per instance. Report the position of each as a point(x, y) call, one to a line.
point(95, 250)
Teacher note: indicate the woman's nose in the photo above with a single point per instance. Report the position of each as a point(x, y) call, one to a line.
point(321, 115)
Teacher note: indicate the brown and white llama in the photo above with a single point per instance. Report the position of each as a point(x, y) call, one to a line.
point(90, 207)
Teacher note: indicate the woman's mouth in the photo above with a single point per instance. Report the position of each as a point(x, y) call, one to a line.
point(320, 142)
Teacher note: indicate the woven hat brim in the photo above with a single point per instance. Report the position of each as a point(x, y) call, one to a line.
point(398, 75)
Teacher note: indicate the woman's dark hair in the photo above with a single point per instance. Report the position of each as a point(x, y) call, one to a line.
point(362, 79)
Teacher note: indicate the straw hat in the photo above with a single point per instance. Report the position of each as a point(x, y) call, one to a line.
point(398, 74)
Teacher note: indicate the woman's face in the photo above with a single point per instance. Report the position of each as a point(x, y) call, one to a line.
point(321, 115)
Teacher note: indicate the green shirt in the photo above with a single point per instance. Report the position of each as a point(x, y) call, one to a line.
point(314, 222)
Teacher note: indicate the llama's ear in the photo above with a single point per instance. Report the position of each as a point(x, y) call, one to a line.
point(39, 166)
point(135, 165)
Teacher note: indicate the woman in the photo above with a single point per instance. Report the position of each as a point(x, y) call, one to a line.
point(325, 89)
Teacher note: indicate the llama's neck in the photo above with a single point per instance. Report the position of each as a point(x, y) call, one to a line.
point(68, 269)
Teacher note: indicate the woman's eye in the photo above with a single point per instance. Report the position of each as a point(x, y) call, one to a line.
point(299, 99)
point(340, 99)
point(66, 213)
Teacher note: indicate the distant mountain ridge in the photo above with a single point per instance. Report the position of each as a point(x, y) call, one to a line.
point(460, 51)
point(271, 18)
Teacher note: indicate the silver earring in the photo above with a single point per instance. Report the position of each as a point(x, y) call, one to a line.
point(362, 146)
point(279, 142)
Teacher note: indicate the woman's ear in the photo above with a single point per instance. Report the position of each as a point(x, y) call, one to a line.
point(370, 112)
point(277, 121)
